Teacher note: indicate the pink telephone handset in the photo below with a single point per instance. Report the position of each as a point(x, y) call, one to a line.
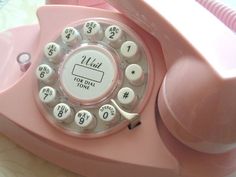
point(101, 92)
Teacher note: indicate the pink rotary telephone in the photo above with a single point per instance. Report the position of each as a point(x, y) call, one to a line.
point(146, 92)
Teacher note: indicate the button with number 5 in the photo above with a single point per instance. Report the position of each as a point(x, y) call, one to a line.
point(85, 120)
point(47, 95)
point(63, 113)
point(53, 52)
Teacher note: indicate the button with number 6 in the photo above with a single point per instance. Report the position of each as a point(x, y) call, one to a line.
point(45, 73)
point(47, 95)
point(85, 120)
point(63, 113)
point(107, 113)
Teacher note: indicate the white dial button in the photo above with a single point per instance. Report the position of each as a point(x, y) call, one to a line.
point(70, 36)
point(53, 52)
point(85, 120)
point(62, 113)
point(114, 35)
point(93, 30)
point(134, 73)
point(130, 51)
point(107, 113)
point(47, 95)
point(126, 97)
point(45, 73)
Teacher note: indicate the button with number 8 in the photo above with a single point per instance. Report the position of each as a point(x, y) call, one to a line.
point(47, 95)
point(63, 113)
point(45, 73)
point(85, 120)
point(107, 113)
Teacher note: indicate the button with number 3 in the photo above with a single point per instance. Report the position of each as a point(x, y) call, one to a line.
point(62, 113)
point(93, 30)
point(47, 95)
point(85, 120)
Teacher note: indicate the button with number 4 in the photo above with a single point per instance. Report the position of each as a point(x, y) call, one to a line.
point(85, 120)
point(53, 52)
point(70, 36)
point(93, 30)
point(47, 95)
point(63, 113)
point(45, 73)
point(130, 51)
point(114, 35)
point(107, 113)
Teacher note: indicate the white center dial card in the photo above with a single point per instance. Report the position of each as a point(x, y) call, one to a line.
point(89, 74)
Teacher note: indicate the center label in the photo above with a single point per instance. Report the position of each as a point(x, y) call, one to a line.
point(88, 74)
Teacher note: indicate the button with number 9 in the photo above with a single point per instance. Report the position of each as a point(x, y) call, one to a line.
point(85, 120)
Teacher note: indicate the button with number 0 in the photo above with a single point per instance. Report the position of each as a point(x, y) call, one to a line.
point(93, 30)
point(53, 52)
point(70, 36)
point(126, 97)
point(85, 120)
point(114, 35)
point(107, 113)
point(45, 73)
point(63, 113)
point(130, 51)
point(47, 95)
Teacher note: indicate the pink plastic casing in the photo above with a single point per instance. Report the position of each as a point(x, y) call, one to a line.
point(197, 98)
point(148, 150)
point(138, 153)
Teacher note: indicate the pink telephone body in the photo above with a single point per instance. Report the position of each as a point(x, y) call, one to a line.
point(146, 91)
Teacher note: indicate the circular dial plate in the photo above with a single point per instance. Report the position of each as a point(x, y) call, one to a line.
point(90, 75)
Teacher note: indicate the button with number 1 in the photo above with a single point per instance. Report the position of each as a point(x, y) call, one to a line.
point(130, 51)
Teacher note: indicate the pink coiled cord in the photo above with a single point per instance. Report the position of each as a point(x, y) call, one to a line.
point(222, 12)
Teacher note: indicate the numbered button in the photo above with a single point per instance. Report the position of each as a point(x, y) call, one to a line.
point(45, 73)
point(107, 113)
point(114, 35)
point(130, 51)
point(70, 36)
point(127, 97)
point(53, 52)
point(63, 113)
point(93, 30)
point(85, 120)
point(134, 73)
point(47, 95)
